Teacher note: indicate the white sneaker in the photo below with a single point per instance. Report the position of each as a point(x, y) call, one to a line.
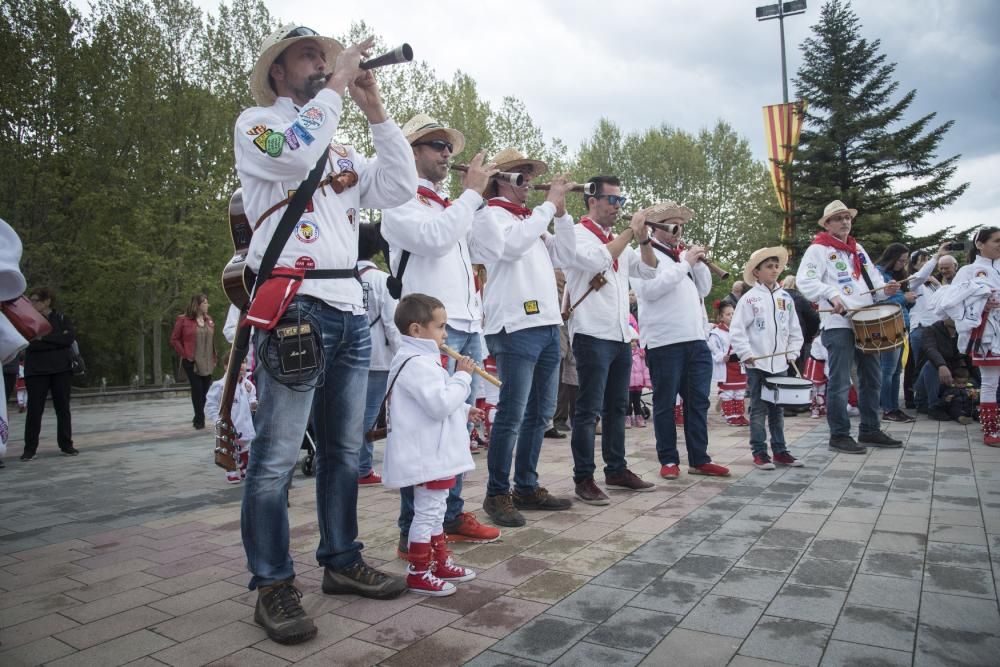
point(852, 411)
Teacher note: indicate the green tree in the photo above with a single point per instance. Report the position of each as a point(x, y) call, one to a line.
point(856, 143)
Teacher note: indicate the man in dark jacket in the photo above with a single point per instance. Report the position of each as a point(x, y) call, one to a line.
point(939, 359)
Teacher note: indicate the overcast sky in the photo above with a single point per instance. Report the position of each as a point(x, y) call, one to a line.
point(688, 63)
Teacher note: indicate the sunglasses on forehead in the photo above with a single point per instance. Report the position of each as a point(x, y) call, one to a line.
point(301, 31)
point(436, 144)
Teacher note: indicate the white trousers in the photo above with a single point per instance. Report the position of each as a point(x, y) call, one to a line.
point(988, 389)
point(428, 513)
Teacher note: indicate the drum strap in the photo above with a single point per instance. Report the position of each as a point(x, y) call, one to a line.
point(868, 281)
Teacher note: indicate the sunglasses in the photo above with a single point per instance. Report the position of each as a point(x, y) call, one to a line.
point(437, 144)
point(301, 31)
point(614, 200)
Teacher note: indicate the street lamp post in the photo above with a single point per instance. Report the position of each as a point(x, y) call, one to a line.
point(780, 11)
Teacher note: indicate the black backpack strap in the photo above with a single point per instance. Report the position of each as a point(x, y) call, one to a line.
point(395, 282)
point(385, 400)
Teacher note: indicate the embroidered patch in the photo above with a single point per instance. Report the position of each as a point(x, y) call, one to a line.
point(841, 265)
point(531, 307)
point(303, 134)
point(291, 139)
point(781, 303)
point(760, 323)
point(305, 262)
point(309, 204)
point(255, 130)
point(833, 256)
point(345, 165)
point(812, 266)
point(352, 214)
point(980, 274)
point(811, 273)
point(844, 280)
point(848, 290)
point(423, 200)
point(275, 144)
point(306, 231)
point(339, 150)
point(312, 118)
point(260, 141)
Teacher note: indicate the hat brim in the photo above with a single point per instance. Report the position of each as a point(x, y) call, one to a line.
point(537, 166)
point(852, 211)
point(260, 88)
point(658, 213)
point(759, 256)
point(456, 138)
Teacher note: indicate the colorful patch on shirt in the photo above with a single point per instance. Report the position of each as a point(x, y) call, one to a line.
point(841, 265)
point(811, 273)
point(339, 150)
point(781, 303)
point(345, 165)
point(275, 144)
point(980, 274)
point(833, 256)
point(255, 130)
point(291, 139)
point(844, 280)
point(848, 290)
point(312, 118)
point(760, 323)
point(306, 231)
point(260, 141)
point(531, 307)
point(423, 200)
point(309, 204)
point(305, 262)
point(352, 215)
point(303, 134)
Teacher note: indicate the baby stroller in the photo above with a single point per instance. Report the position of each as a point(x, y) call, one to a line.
point(309, 445)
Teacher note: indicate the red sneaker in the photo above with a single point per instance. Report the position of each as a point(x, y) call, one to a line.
point(467, 529)
point(738, 421)
point(763, 461)
point(786, 459)
point(369, 479)
point(425, 583)
point(444, 567)
point(710, 469)
point(670, 471)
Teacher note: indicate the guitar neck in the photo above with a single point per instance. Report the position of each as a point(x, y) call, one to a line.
point(241, 344)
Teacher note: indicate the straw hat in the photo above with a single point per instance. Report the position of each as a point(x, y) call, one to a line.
point(510, 158)
point(835, 207)
point(273, 46)
point(759, 256)
point(667, 210)
point(422, 125)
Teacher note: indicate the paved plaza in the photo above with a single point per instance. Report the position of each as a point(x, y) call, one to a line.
point(130, 554)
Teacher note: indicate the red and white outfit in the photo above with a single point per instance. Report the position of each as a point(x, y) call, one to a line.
point(965, 302)
point(242, 415)
point(730, 376)
point(426, 447)
point(815, 372)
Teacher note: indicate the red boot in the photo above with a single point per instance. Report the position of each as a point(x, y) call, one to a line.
point(988, 419)
point(444, 567)
point(419, 577)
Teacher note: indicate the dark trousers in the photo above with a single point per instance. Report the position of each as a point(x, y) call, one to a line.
point(200, 385)
point(38, 388)
point(565, 405)
point(8, 385)
point(604, 367)
point(685, 369)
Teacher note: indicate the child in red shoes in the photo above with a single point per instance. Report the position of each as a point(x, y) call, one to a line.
point(244, 405)
point(727, 370)
point(427, 441)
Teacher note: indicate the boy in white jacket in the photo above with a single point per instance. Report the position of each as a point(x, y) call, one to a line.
point(428, 444)
point(244, 405)
point(766, 328)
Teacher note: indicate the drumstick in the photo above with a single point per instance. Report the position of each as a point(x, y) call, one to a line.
point(795, 368)
point(768, 356)
point(831, 310)
point(477, 370)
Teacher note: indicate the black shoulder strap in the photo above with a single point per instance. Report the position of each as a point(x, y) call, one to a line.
point(864, 274)
point(381, 411)
point(395, 282)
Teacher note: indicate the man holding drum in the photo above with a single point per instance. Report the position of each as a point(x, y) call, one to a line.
point(836, 272)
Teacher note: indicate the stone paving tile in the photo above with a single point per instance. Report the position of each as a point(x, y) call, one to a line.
point(943, 646)
point(699, 649)
point(876, 627)
point(494, 659)
point(247, 657)
point(700, 568)
point(958, 613)
point(350, 651)
point(724, 616)
point(944, 553)
point(544, 638)
point(766, 558)
point(959, 534)
point(592, 603)
point(197, 598)
point(549, 587)
point(500, 617)
point(835, 549)
point(808, 603)
point(514, 571)
point(118, 651)
point(772, 639)
point(959, 581)
point(892, 564)
point(750, 584)
point(629, 574)
point(633, 629)
point(825, 573)
point(407, 627)
point(844, 654)
point(889, 592)
point(447, 646)
point(211, 646)
point(909, 543)
point(674, 596)
point(200, 621)
point(123, 623)
point(586, 654)
point(36, 652)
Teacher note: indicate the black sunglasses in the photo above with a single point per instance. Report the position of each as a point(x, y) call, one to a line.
point(301, 31)
point(437, 145)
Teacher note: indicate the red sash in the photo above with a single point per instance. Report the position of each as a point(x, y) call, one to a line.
point(433, 196)
point(599, 233)
point(516, 209)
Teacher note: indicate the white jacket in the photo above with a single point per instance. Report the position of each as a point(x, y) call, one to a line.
point(444, 243)
point(964, 300)
point(521, 286)
point(719, 346)
point(381, 309)
point(825, 272)
point(765, 323)
point(671, 302)
point(604, 313)
point(426, 417)
point(246, 394)
point(327, 236)
point(922, 312)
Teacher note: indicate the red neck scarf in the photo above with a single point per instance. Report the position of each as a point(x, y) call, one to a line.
point(723, 326)
point(433, 196)
point(516, 209)
point(599, 233)
point(851, 247)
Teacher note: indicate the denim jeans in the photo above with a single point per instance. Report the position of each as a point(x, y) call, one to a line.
point(842, 354)
point(929, 383)
point(528, 365)
point(890, 363)
point(759, 410)
point(916, 344)
point(603, 368)
point(377, 381)
point(684, 368)
point(468, 344)
point(280, 423)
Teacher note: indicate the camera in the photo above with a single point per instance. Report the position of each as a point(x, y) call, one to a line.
point(956, 246)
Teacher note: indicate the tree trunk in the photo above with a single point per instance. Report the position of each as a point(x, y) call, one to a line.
point(158, 351)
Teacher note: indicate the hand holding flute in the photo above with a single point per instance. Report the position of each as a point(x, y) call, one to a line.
point(469, 366)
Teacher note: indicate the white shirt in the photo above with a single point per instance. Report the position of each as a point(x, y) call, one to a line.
point(246, 394)
point(325, 237)
point(922, 312)
point(381, 308)
point(965, 299)
point(604, 313)
point(444, 243)
point(765, 323)
point(671, 302)
point(825, 272)
point(521, 286)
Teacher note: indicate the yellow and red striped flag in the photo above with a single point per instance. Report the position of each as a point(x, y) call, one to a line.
point(782, 125)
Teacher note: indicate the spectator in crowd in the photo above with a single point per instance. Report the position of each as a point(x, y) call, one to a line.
point(940, 361)
point(924, 285)
point(735, 292)
point(892, 266)
point(193, 339)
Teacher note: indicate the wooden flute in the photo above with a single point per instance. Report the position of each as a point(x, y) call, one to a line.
point(492, 379)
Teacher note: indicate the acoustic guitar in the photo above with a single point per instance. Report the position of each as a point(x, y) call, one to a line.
point(237, 278)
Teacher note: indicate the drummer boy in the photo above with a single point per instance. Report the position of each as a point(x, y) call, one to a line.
point(766, 336)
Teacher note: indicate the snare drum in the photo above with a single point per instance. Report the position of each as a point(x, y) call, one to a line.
point(878, 328)
point(787, 392)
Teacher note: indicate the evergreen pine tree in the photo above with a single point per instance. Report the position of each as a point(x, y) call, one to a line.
point(856, 145)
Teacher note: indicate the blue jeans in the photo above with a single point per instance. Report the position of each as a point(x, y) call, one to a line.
point(684, 368)
point(603, 368)
point(930, 384)
point(890, 363)
point(377, 381)
point(916, 343)
point(468, 344)
point(528, 365)
point(841, 354)
point(761, 410)
point(280, 423)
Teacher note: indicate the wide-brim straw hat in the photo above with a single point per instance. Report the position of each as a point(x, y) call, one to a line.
point(759, 256)
point(421, 125)
point(510, 158)
point(272, 47)
point(667, 210)
point(835, 207)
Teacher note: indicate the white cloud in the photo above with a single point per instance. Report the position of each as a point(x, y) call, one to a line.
point(979, 206)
